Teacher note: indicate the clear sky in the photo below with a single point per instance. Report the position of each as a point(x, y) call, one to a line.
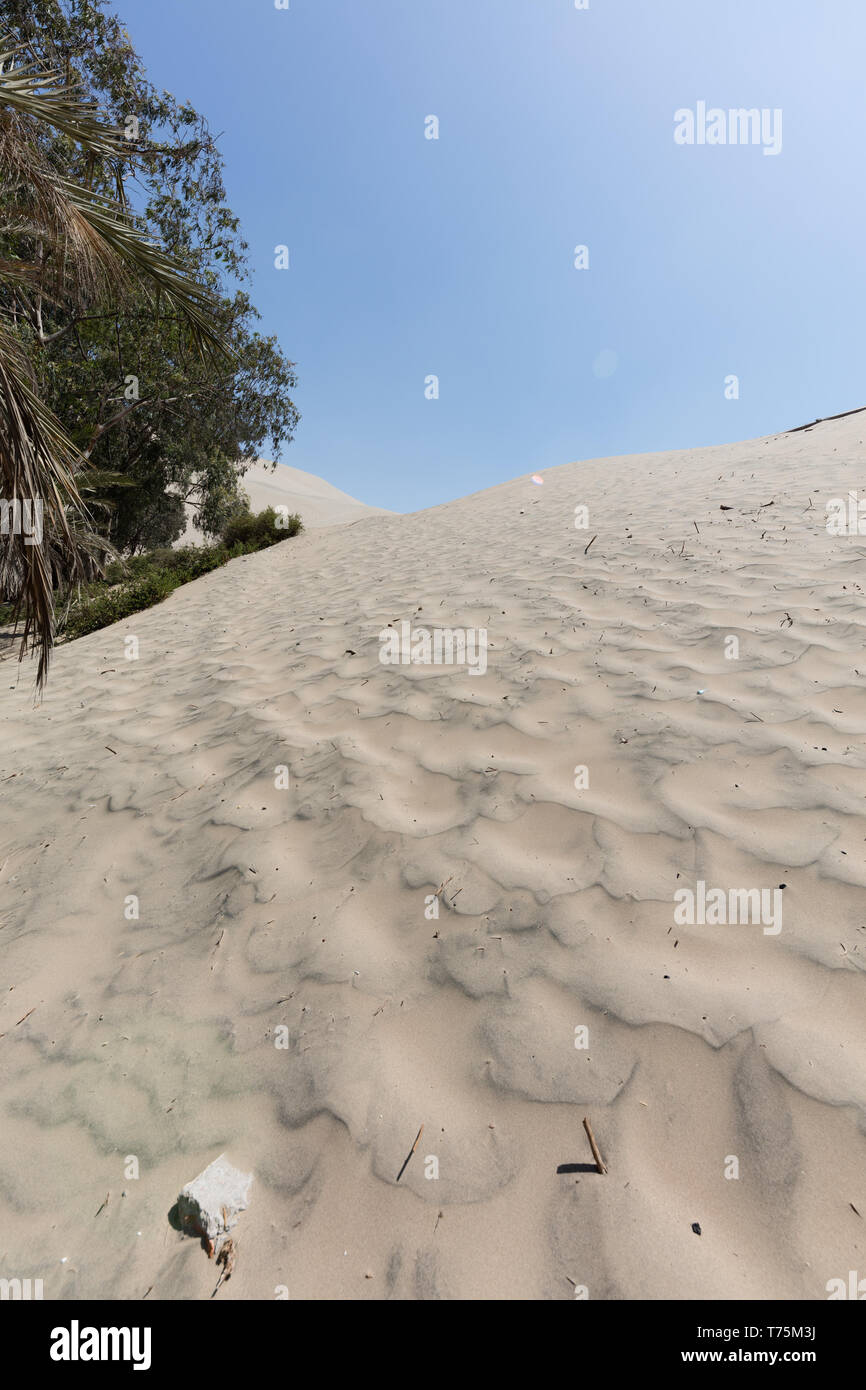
point(412, 257)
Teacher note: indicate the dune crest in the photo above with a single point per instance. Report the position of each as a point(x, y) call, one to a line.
point(318, 502)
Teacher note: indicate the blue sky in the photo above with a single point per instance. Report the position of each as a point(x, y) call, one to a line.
point(455, 257)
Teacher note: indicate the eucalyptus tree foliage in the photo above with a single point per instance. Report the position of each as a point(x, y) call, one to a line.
point(133, 384)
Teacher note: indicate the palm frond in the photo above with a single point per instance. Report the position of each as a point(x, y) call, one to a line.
point(94, 238)
point(83, 246)
point(43, 94)
point(38, 464)
point(123, 246)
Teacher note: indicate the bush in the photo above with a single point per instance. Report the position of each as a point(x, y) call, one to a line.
point(102, 609)
point(143, 580)
point(264, 527)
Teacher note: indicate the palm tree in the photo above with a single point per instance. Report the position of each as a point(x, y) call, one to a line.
point(75, 246)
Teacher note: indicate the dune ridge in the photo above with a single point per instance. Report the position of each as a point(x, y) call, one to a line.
point(266, 485)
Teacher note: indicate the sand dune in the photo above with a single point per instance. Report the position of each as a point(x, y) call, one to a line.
point(319, 503)
point(296, 915)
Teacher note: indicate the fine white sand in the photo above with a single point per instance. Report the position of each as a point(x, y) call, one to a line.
point(269, 914)
point(268, 485)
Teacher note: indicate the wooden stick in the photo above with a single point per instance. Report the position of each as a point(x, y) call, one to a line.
point(599, 1163)
point(410, 1153)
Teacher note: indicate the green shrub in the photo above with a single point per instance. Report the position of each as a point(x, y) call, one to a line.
point(187, 562)
point(140, 581)
point(264, 527)
point(102, 609)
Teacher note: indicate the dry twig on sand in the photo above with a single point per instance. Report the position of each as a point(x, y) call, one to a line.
point(226, 1258)
point(599, 1162)
point(410, 1153)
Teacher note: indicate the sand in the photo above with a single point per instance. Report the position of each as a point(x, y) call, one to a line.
point(296, 915)
point(270, 485)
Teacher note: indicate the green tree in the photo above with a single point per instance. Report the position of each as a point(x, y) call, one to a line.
point(66, 245)
point(166, 425)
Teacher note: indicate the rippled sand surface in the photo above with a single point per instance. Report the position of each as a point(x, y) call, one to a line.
point(286, 994)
